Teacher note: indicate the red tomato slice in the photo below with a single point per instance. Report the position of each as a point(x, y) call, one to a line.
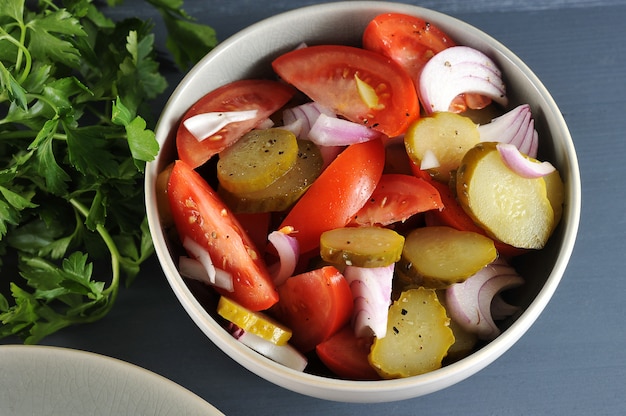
point(262, 95)
point(347, 356)
point(328, 75)
point(337, 194)
point(199, 214)
point(396, 198)
point(314, 305)
point(410, 41)
point(256, 225)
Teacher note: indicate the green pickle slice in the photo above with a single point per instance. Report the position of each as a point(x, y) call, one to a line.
point(361, 246)
point(513, 209)
point(256, 160)
point(418, 336)
point(446, 137)
point(257, 323)
point(439, 256)
point(281, 194)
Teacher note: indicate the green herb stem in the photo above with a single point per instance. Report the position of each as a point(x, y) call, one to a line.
point(115, 254)
point(22, 51)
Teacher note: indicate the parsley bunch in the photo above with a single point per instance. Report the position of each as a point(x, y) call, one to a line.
point(75, 92)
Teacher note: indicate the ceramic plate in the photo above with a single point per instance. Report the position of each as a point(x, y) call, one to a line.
point(52, 381)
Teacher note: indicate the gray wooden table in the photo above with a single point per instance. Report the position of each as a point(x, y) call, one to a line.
point(571, 362)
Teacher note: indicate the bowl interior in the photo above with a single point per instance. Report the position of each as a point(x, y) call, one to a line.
point(248, 54)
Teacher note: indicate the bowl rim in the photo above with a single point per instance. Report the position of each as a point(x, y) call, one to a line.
point(382, 390)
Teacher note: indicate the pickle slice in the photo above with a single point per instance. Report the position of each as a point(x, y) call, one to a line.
point(361, 246)
point(511, 208)
point(443, 136)
point(418, 336)
point(257, 160)
point(256, 323)
point(555, 191)
point(281, 194)
point(439, 256)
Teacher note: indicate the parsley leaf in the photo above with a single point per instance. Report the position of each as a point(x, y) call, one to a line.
point(75, 134)
point(187, 40)
point(47, 40)
point(142, 142)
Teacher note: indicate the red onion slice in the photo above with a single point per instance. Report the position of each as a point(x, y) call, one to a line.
point(333, 131)
point(305, 115)
point(268, 123)
point(200, 254)
point(371, 291)
point(516, 127)
point(501, 309)
point(522, 165)
point(295, 127)
point(469, 303)
point(193, 269)
point(458, 70)
point(204, 125)
point(288, 251)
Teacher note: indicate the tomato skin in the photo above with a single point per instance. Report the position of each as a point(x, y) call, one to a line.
point(314, 305)
point(396, 198)
point(199, 214)
point(265, 96)
point(256, 226)
point(337, 194)
point(327, 75)
point(347, 356)
point(408, 40)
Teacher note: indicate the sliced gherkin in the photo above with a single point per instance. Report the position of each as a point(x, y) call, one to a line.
point(281, 194)
point(254, 322)
point(418, 336)
point(361, 246)
point(439, 256)
point(256, 160)
point(513, 209)
point(437, 143)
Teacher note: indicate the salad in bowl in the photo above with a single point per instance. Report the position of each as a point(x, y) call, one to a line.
point(363, 212)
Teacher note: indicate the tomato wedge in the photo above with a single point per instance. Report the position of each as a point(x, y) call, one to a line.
point(200, 215)
point(337, 194)
point(363, 86)
point(265, 96)
point(410, 41)
point(396, 198)
point(314, 305)
point(347, 356)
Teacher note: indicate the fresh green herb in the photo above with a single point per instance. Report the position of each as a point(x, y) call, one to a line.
point(75, 92)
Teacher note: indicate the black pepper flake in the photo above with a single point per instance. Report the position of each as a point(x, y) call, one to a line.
point(396, 330)
point(404, 311)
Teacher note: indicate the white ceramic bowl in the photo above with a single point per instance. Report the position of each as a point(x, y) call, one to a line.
point(247, 55)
